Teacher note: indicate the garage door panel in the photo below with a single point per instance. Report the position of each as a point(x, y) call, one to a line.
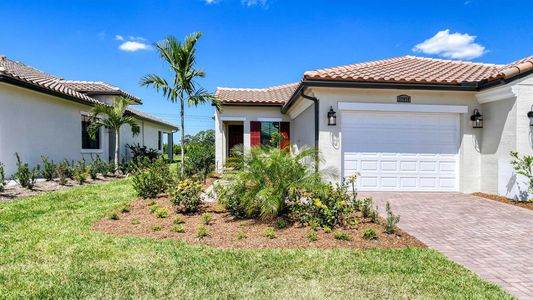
point(401, 151)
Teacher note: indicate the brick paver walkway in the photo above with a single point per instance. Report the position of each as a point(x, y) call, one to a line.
point(493, 239)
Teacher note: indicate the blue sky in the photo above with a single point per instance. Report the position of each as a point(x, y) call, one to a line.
point(253, 43)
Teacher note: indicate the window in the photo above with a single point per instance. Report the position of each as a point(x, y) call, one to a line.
point(267, 130)
point(159, 140)
point(86, 141)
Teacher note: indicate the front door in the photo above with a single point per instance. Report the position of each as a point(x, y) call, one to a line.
point(235, 136)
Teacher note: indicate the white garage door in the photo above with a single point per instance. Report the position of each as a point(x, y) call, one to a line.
point(400, 151)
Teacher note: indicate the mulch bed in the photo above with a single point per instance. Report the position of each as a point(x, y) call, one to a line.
point(524, 204)
point(13, 192)
point(224, 230)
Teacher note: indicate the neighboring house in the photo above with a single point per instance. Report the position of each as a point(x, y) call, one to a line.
point(404, 123)
point(41, 114)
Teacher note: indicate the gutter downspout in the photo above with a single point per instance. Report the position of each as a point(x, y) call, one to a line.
point(315, 103)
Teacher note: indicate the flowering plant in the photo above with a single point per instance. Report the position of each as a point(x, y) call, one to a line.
point(187, 195)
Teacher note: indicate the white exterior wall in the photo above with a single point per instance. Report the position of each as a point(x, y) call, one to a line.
point(330, 136)
point(35, 124)
point(302, 125)
point(244, 114)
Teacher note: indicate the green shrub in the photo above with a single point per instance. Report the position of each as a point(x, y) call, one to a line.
point(49, 169)
point(341, 235)
point(156, 228)
point(374, 215)
point(149, 182)
point(391, 221)
point(270, 232)
point(141, 152)
point(178, 229)
point(63, 172)
point(281, 223)
point(125, 208)
point(366, 207)
point(242, 235)
point(98, 166)
point(202, 232)
point(187, 196)
point(153, 208)
point(523, 166)
point(112, 215)
point(152, 202)
point(179, 220)
point(201, 154)
point(311, 236)
point(243, 224)
point(207, 218)
point(260, 189)
point(2, 178)
point(326, 229)
point(81, 172)
point(370, 234)
point(161, 213)
point(25, 176)
point(135, 222)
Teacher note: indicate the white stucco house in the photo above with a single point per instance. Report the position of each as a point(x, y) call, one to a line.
point(42, 114)
point(405, 123)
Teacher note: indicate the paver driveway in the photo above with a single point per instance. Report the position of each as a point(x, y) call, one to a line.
point(493, 239)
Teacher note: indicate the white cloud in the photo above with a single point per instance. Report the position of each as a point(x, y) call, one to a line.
point(132, 46)
point(118, 37)
point(454, 45)
point(211, 1)
point(254, 2)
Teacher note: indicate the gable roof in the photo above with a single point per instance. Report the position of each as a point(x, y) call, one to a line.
point(80, 91)
point(422, 71)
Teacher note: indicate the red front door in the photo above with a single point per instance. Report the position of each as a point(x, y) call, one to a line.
point(235, 136)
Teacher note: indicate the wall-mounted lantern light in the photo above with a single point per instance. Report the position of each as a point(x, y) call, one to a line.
point(477, 119)
point(530, 116)
point(332, 117)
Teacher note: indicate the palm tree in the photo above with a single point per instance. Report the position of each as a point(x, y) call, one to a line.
point(114, 118)
point(181, 59)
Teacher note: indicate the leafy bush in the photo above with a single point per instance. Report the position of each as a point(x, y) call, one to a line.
point(322, 205)
point(261, 188)
point(25, 176)
point(124, 167)
point(523, 166)
point(270, 232)
point(149, 182)
point(179, 220)
point(202, 232)
point(187, 196)
point(2, 177)
point(207, 218)
point(370, 234)
point(156, 228)
point(341, 235)
point(281, 223)
point(311, 236)
point(161, 213)
point(49, 169)
point(63, 172)
point(326, 229)
point(201, 153)
point(391, 221)
point(81, 172)
point(242, 235)
point(366, 207)
point(153, 208)
point(139, 151)
point(98, 166)
point(178, 229)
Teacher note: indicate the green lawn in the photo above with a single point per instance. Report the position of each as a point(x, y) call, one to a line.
point(48, 250)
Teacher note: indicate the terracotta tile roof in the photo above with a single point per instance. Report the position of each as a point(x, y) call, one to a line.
point(21, 72)
point(144, 115)
point(404, 69)
point(408, 69)
point(271, 95)
point(96, 87)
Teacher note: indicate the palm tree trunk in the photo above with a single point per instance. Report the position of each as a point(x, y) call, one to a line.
point(182, 104)
point(116, 148)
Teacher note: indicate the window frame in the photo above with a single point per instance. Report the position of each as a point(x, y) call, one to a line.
point(84, 118)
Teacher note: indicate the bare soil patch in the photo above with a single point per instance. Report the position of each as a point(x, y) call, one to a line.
point(524, 204)
point(224, 230)
point(13, 192)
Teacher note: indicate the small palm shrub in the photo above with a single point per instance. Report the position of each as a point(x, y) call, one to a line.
point(311, 236)
point(124, 167)
point(63, 172)
point(178, 229)
point(366, 207)
point(179, 220)
point(187, 196)
point(202, 232)
point(161, 213)
point(81, 172)
point(156, 228)
point(25, 176)
point(341, 235)
point(270, 232)
point(49, 168)
point(242, 235)
point(260, 188)
point(391, 221)
point(2, 177)
point(150, 181)
point(370, 234)
point(281, 223)
point(207, 218)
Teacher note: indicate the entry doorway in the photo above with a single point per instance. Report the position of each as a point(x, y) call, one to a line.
point(235, 136)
